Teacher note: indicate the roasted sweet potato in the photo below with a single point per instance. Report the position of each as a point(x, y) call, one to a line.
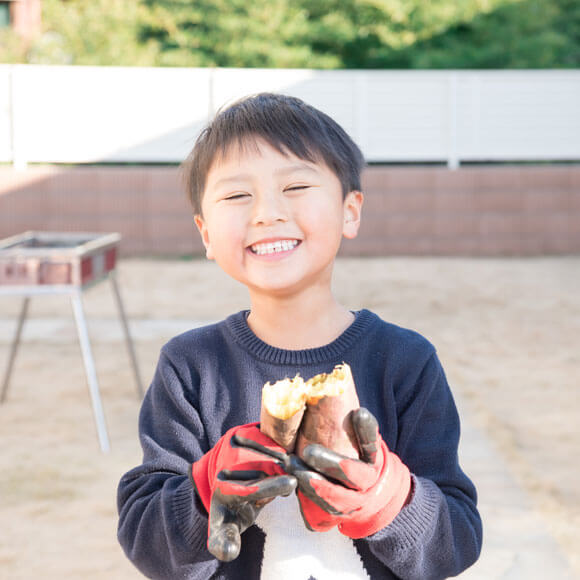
point(331, 398)
point(295, 413)
point(283, 405)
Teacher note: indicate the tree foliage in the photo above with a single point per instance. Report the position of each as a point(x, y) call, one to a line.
point(305, 33)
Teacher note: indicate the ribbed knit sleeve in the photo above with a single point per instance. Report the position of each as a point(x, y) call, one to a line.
point(162, 526)
point(438, 534)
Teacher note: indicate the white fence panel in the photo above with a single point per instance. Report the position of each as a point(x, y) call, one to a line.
point(108, 114)
point(519, 115)
point(407, 117)
point(89, 114)
point(5, 115)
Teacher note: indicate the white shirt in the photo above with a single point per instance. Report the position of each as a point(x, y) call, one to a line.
point(293, 552)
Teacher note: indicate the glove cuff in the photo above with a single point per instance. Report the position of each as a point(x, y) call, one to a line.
point(397, 480)
point(198, 476)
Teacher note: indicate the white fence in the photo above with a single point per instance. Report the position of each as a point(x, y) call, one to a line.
point(56, 114)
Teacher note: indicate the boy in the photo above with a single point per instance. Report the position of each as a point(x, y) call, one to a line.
point(275, 186)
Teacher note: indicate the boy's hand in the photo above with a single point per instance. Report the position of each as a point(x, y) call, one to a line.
point(234, 480)
point(360, 496)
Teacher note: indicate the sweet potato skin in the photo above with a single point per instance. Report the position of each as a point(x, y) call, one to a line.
point(283, 431)
point(327, 422)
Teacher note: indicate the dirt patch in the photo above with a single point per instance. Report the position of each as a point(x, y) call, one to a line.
point(506, 331)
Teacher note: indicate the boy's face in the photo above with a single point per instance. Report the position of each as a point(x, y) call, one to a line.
point(274, 222)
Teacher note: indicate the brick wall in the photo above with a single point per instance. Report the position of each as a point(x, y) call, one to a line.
point(474, 211)
point(479, 211)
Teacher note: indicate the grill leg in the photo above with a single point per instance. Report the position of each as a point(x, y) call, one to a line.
point(14, 348)
point(77, 303)
point(128, 339)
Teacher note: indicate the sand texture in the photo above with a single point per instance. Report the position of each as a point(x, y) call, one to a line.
point(507, 332)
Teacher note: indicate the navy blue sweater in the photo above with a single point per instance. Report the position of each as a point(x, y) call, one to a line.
point(210, 379)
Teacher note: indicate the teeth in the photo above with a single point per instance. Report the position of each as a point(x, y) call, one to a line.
point(274, 247)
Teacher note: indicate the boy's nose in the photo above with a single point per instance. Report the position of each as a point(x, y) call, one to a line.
point(269, 209)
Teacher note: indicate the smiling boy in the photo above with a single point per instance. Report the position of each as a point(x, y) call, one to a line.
point(274, 222)
point(275, 186)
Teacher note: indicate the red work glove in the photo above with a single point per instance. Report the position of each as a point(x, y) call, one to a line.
point(361, 496)
point(234, 480)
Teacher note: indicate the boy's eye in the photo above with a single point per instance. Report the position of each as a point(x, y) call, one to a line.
point(296, 187)
point(234, 196)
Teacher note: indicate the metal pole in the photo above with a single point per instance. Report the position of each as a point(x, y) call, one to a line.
point(77, 302)
point(14, 347)
point(452, 131)
point(128, 340)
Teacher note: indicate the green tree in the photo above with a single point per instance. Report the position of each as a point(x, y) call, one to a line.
point(520, 34)
point(90, 32)
point(233, 33)
point(366, 33)
point(306, 33)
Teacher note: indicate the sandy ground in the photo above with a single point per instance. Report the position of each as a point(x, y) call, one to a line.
point(507, 332)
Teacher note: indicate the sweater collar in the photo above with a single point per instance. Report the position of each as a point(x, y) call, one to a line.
point(237, 325)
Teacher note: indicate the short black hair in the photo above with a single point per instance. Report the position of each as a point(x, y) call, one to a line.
point(289, 125)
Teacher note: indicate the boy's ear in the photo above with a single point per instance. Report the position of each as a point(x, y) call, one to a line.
point(352, 208)
point(201, 226)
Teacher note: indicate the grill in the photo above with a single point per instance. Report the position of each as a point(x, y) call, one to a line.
point(57, 259)
point(35, 263)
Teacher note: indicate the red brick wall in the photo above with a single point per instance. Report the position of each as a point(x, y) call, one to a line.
point(473, 211)
point(479, 210)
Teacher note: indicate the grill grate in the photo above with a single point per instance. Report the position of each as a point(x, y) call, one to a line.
point(52, 258)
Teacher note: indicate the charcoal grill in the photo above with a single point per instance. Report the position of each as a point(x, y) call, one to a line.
point(41, 263)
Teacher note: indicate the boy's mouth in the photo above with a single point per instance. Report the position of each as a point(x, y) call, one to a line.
point(263, 249)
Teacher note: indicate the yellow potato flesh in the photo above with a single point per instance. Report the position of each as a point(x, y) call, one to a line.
point(284, 398)
point(327, 384)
